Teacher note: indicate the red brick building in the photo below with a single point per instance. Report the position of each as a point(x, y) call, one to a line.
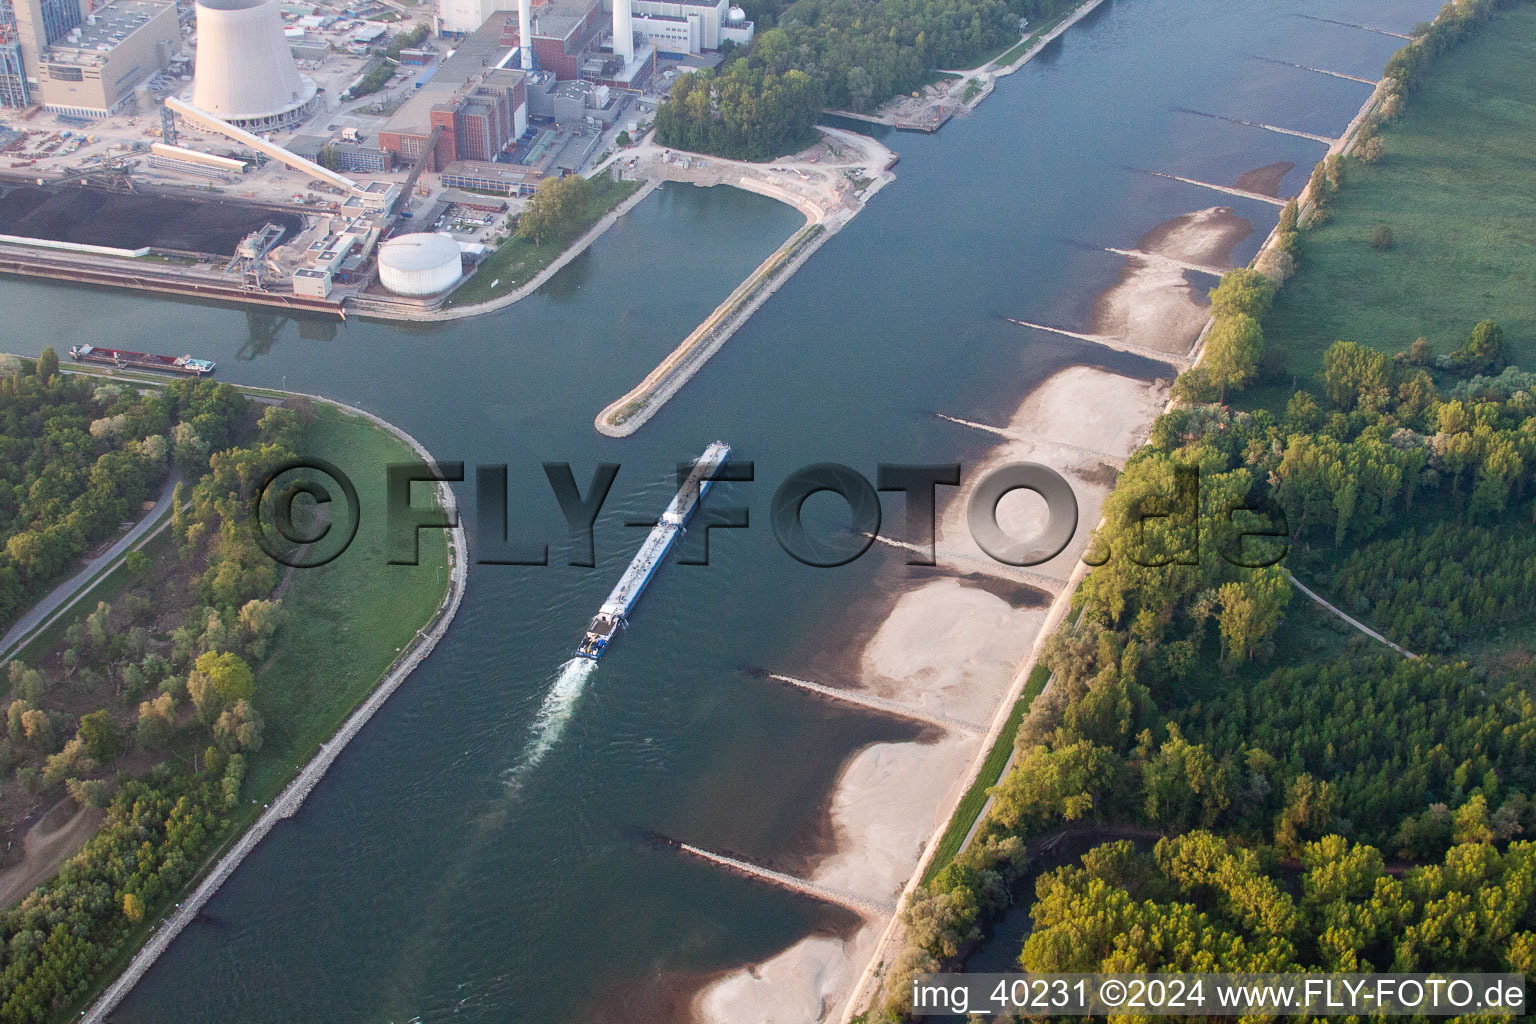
point(564, 31)
point(476, 122)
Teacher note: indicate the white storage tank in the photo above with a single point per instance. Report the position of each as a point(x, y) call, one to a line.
point(420, 265)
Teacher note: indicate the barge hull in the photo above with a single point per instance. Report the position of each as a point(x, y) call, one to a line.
point(30, 266)
point(614, 613)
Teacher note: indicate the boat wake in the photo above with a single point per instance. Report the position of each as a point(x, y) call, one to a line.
point(556, 713)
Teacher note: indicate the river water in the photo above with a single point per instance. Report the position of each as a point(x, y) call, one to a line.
point(438, 873)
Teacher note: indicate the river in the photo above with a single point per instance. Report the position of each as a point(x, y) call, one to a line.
point(436, 874)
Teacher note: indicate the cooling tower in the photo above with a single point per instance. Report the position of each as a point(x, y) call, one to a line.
point(245, 72)
point(623, 30)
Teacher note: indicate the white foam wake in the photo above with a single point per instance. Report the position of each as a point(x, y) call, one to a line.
point(555, 714)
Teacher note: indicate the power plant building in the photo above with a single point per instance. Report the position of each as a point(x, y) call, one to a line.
point(79, 62)
point(564, 32)
point(684, 27)
point(246, 74)
point(464, 112)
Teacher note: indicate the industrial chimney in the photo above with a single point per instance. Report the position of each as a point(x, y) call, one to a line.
point(525, 32)
point(245, 72)
point(623, 31)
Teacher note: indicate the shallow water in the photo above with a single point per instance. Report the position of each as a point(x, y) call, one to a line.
point(478, 853)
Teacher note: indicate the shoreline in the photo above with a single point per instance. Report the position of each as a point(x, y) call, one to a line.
point(862, 998)
point(829, 205)
point(984, 75)
point(288, 803)
point(1044, 428)
point(945, 646)
point(581, 245)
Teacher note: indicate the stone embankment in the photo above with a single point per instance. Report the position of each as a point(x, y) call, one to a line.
point(292, 797)
point(829, 183)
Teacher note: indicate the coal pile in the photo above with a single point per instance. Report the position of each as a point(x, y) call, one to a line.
point(88, 216)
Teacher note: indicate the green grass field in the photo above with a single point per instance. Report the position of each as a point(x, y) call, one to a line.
point(519, 261)
point(1458, 189)
point(975, 798)
point(346, 621)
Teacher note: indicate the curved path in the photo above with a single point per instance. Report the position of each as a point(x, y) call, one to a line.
point(292, 797)
point(69, 588)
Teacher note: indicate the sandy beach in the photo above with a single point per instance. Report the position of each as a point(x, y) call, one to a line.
point(1266, 180)
point(950, 647)
point(953, 648)
point(1154, 304)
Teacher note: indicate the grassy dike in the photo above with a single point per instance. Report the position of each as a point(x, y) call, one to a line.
point(1456, 188)
point(347, 628)
point(968, 810)
point(345, 623)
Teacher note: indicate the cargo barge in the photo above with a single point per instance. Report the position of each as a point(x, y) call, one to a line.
point(125, 360)
point(614, 614)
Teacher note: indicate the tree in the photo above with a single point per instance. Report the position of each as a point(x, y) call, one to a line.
point(1418, 354)
point(1251, 611)
point(1381, 238)
point(260, 619)
point(1484, 351)
point(1308, 814)
point(1183, 785)
point(157, 721)
point(1194, 387)
point(26, 682)
point(228, 674)
point(47, 364)
point(133, 908)
point(1232, 351)
point(239, 728)
point(14, 721)
point(72, 761)
point(1048, 786)
point(753, 109)
point(100, 736)
point(1242, 291)
point(1356, 376)
point(623, 139)
point(218, 681)
point(140, 565)
point(89, 792)
point(557, 210)
point(37, 727)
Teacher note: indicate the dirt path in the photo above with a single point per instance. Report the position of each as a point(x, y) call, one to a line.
point(46, 846)
point(1362, 627)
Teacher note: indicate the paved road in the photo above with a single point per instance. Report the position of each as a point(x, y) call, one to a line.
point(68, 589)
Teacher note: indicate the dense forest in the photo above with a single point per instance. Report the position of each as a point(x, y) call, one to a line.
point(842, 54)
point(744, 112)
point(1343, 809)
point(76, 458)
point(1199, 902)
point(145, 708)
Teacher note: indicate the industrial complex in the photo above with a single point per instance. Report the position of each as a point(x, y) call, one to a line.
point(370, 154)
